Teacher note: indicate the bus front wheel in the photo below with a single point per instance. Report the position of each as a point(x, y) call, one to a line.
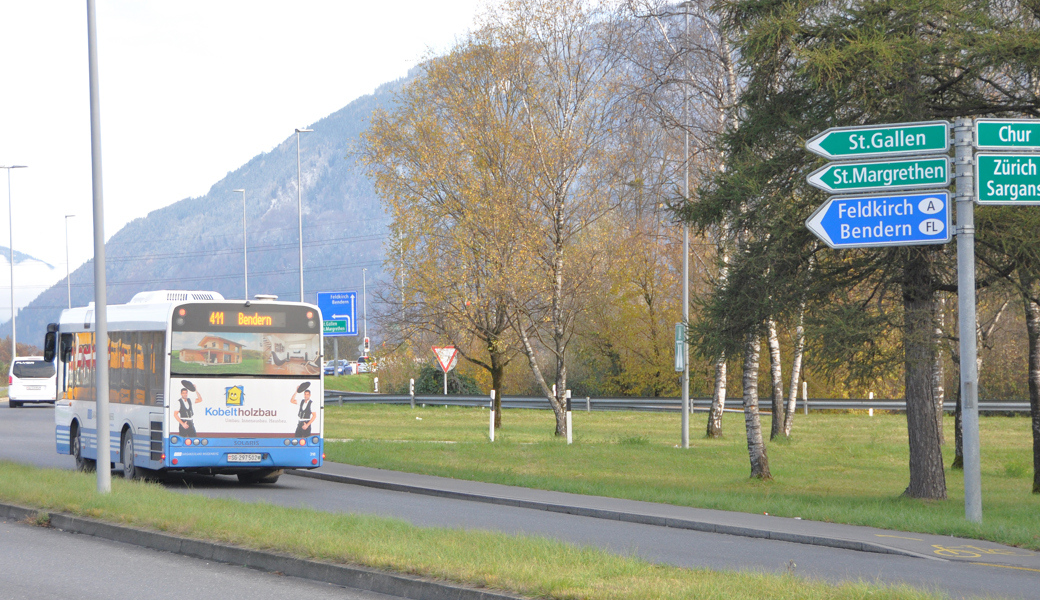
point(82, 464)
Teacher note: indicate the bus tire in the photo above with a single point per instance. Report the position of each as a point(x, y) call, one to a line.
point(130, 470)
point(82, 464)
point(265, 477)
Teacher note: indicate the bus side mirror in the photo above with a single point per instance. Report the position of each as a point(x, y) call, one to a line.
point(49, 342)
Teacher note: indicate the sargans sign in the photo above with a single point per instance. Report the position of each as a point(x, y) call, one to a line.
point(229, 407)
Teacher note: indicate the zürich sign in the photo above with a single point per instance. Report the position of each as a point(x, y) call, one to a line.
point(872, 176)
point(867, 141)
point(891, 220)
point(1004, 178)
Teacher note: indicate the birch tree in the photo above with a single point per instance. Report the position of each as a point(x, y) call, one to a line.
point(444, 162)
point(564, 77)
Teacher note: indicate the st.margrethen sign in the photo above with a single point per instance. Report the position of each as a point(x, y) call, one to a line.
point(869, 141)
point(866, 176)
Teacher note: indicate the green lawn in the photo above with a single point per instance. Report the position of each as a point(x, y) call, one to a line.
point(361, 382)
point(532, 566)
point(847, 468)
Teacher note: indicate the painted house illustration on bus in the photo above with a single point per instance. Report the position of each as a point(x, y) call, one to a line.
point(213, 350)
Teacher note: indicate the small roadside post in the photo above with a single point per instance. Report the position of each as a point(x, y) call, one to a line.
point(375, 382)
point(805, 397)
point(570, 437)
point(491, 426)
point(411, 391)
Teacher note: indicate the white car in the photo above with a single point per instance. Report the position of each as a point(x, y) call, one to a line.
point(31, 379)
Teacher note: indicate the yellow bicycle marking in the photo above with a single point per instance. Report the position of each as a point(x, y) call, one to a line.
point(1006, 567)
point(966, 551)
point(899, 536)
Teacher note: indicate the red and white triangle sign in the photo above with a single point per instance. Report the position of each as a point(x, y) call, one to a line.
point(447, 357)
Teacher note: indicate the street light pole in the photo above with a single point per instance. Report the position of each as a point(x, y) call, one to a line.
point(299, 202)
point(10, 224)
point(101, 387)
point(68, 281)
point(245, 250)
point(364, 299)
point(686, 247)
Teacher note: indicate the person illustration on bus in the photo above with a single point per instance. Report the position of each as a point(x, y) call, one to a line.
point(306, 415)
point(185, 414)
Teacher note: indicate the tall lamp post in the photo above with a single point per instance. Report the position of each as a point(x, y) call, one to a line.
point(364, 302)
point(68, 281)
point(245, 249)
point(10, 233)
point(686, 243)
point(299, 202)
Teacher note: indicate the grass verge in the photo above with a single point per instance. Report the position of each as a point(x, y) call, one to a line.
point(845, 468)
point(522, 564)
point(362, 382)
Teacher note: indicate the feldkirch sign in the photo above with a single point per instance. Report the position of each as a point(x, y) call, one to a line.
point(1007, 179)
point(874, 176)
point(892, 220)
point(1007, 134)
point(902, 139)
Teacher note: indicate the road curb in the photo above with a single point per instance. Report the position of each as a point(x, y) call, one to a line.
point(628, 517)
point(361, 578)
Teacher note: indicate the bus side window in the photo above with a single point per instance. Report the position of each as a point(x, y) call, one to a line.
point(140, 392)
point(158, 367)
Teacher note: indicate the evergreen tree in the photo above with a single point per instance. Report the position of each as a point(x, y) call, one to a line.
point(814, 64)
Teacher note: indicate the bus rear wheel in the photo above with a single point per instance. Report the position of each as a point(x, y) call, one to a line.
point(267, 476)
point(130, 470)
point(82, 464)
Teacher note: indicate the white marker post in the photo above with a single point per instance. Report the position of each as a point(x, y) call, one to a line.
point(570, 436)
point(411, 391)
point(491, 426)
point(805, 396)
point(375, 381)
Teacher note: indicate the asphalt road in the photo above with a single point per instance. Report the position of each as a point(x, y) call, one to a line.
point(26, 435)
point(38, 563)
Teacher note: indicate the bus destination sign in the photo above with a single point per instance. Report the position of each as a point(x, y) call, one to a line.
point(247, 319)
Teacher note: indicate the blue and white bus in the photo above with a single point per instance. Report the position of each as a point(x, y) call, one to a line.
point(197, 384)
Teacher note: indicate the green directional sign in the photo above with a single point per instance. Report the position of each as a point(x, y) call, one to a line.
point(1007, 134)
point(1007, 178)
point(900, 139)
point(913, 173)
point(333, 327)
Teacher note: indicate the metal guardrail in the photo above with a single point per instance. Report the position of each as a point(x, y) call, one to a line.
point(641, 404)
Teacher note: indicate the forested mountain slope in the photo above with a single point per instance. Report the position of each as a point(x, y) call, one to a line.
point(196, 243)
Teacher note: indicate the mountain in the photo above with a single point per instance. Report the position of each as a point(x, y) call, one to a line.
point(196, 243)
point(31, 276)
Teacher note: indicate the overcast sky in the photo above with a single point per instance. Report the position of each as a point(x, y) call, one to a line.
point(190, 89)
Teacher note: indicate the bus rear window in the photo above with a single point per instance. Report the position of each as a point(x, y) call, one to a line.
point(245, 353)
point(33, 369)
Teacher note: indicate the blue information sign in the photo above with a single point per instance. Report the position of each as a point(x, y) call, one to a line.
point(870, 221)
point(338, 313)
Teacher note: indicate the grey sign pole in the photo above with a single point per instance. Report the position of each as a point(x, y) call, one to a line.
point(104, 473)
point(963, 137)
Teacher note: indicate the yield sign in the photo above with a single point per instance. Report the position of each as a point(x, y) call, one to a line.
point(447, 357)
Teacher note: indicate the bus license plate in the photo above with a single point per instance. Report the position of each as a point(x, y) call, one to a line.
point(244, 458)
